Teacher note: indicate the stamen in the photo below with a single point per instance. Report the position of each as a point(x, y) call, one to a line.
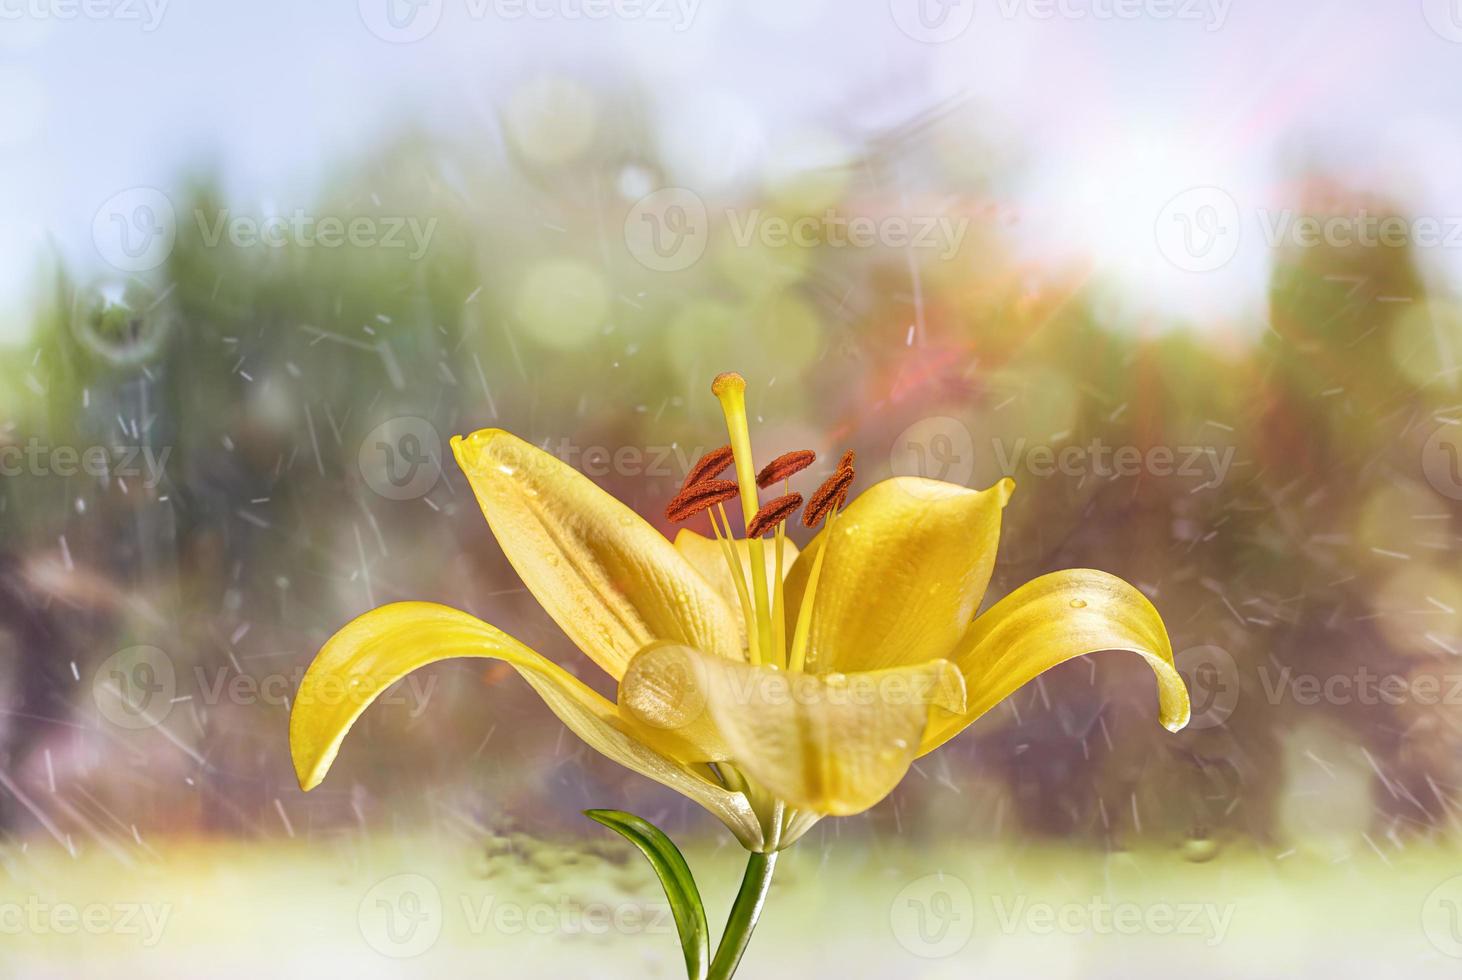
point(798, 654)
point(826, 501)
point(785, 466)
point(708, 467)
point(692, 500)
point(738, 579)
point(779, 598)
point(773, 514)
point(832, 493)
point(842, 495)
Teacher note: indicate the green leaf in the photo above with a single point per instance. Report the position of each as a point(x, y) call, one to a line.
point(675, 876)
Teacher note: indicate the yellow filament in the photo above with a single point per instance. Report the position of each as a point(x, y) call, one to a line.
point(738, 576)
point(798, 655)
point(779, 626)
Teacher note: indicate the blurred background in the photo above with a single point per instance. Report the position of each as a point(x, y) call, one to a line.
point(1188, 270)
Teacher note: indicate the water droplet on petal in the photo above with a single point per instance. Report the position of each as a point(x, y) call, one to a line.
point(1199, 850)
point(1078, 603)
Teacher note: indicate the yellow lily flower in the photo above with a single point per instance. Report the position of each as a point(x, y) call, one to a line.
point(771, 687)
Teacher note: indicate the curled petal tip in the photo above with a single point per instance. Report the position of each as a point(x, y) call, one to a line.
point(464, 446)
point(1006, 488)
point(311, 762)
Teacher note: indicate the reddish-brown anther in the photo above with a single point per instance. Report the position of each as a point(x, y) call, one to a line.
point(708, 467)
point(846, 463)
point(832, 493)
point(785, 466)
point(692, 500)
point(773, 514)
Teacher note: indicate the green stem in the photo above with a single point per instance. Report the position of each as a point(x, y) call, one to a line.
point(754, 887)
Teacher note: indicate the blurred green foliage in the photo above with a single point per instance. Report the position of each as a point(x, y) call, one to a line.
point(264, 370)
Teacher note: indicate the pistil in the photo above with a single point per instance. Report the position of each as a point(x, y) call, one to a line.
point(730, 391)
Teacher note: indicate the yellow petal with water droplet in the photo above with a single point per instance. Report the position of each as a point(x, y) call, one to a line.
point(375, 650)
point(1053, 619)
point(907, 566)
point(832, 746)
point(610, 580)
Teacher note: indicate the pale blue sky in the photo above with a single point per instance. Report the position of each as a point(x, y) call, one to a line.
point(1115, 114)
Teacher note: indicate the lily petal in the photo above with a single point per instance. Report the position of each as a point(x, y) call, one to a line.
point(375, 650)
point(831, 744)
point(907, 566)
point(610, 580)
point(706, 555)
point(1053, 619)
point(665, 689)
